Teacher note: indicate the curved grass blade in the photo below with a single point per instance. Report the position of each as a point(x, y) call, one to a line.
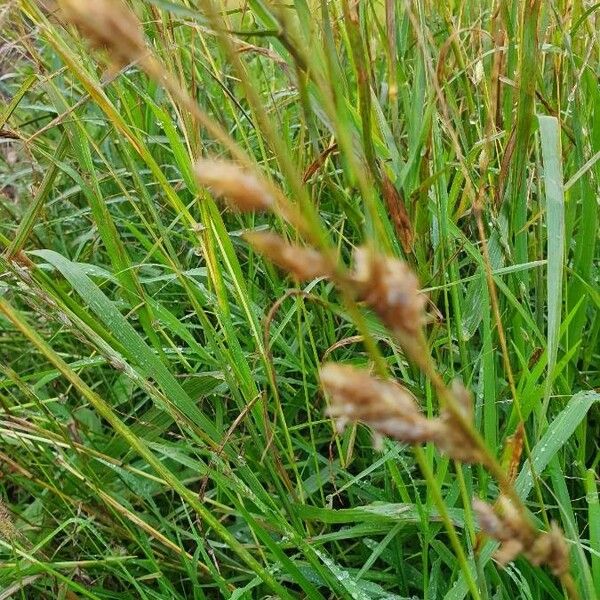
point(555, 218)
point(139, 353)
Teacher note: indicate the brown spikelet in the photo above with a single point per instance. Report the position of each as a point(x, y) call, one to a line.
point(516, 535)
point(243, 191)
point(489, 521)
point(318, 163)
point(304, 264)
point(387, 407)
point(508, 551)
point(453, 439)
point(502, 524)
point(390, 410)
point(391, 289)
point(398, 213)
point(513, 449)
point(108, 25)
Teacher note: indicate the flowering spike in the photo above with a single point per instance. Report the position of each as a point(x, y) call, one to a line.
point(506, 524)
point(304, 264)
point(453, 439)
point(108, 25)
point(391, 289)
point(243, 191)
point(387, 407)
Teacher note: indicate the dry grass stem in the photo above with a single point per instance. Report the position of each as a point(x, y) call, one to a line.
point(304, 264)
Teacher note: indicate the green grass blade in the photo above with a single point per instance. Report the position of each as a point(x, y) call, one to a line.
point(139, 353)
point(555, 219)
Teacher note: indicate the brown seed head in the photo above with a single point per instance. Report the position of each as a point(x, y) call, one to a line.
point(504, 524)
point(242, 191)
point(503, 521)
point(551, 549)
point(508, 551)
point(108, 25)
point(453, 439)
point(391, 289)
point(507, 525)
point(388, 408)
point(513, 520)
point(304, 264)
point(489, 521)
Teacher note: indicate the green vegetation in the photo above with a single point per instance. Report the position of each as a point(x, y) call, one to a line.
point(163, 431)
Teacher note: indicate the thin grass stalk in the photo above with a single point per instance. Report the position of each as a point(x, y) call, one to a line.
point(434, 489)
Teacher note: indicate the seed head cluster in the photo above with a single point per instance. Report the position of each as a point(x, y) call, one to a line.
point(391, 289)
point(386, 406)
point(304, 264)
point(390, 410)
point(507, 525)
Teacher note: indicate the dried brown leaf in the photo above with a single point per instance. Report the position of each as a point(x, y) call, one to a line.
point(318, 162)
point(397, 209)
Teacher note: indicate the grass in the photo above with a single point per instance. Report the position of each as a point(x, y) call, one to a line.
point(163, 430)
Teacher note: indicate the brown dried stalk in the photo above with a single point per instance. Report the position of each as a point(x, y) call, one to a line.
point(391, 289)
